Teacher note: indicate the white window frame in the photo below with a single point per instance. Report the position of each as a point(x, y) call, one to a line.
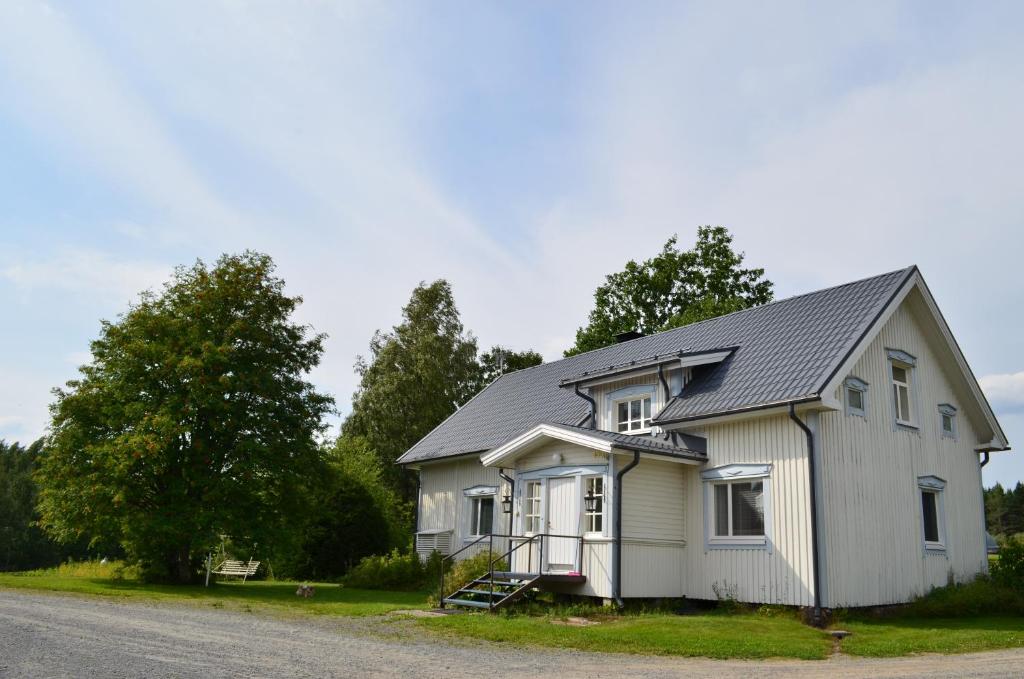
point(600, 514)
point(906, 362)
point(947, 410)
point(936, 487)
point(473, 496)
point(531, 503)
point(727, 475)
point(629, 400)
point(855, 384)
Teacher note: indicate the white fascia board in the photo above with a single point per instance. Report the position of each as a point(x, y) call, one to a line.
point(704, 359)
point(506, 450)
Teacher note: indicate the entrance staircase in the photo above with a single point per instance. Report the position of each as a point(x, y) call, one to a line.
point(497, 588)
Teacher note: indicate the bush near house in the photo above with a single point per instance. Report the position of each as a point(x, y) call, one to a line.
point(1008, 569)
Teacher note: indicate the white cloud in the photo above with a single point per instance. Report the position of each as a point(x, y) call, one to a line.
point(84, 273)
point(1005, 392)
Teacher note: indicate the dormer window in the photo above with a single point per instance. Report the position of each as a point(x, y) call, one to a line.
point(634, 414)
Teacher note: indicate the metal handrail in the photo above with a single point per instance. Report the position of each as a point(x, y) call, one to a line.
point(522, 540)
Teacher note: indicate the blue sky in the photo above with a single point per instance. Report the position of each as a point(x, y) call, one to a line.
point(521, 150)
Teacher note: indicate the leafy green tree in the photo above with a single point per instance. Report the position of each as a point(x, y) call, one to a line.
point(499, 360)
point(995, 509)
point(192, 420)
point(417, 375)
point(23, 545)
point(674, 288)
point(355, 515)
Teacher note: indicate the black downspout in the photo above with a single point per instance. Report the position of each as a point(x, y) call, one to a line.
point(664, 382)
point(511, 496)
point(593, 406)
point(617, 545)
point(984, 460)
point(812, 473)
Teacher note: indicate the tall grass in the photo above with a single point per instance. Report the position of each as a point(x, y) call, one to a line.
point(96, 568)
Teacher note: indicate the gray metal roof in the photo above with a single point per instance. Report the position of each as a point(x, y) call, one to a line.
point(787, 351)
point(687, 446)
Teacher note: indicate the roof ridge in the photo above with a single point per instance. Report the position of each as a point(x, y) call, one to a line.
point(715, 318)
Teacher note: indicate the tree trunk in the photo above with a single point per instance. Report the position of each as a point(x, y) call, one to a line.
point(181, 570)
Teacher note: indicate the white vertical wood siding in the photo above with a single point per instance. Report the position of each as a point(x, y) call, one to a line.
point(653, 528)
point(442, 504)
point(783, 573)
point(571, 454)
point(872, 524)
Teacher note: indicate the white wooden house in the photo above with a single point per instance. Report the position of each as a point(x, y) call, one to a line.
point(822, 451)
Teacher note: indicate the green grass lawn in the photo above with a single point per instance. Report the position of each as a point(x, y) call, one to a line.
point(268, 596)
point(741, 635)
point(903, 636)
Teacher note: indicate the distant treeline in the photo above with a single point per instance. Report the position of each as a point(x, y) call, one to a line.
point(1004, 510)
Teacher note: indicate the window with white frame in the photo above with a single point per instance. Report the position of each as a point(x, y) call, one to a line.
point(856, 396)
point(480, 509)
point(932, 515)
point(531, 510)
point(901, 369)
point(633, 414)
point(593, 487)
point(736, 505)
point(481, 515)
point(947, 420)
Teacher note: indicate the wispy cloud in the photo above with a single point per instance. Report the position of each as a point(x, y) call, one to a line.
point(1006, 391)
point(84, 273)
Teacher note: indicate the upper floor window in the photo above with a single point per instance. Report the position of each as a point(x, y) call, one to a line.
point(531, 512)
point(901, 366)
point(594, 488)
point(634, 414)
point(856, 396)
point(947, 420)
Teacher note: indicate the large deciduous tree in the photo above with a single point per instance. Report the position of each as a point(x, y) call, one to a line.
point(500, 360)
point(415, 377)
point(674, 288)
point(192, 420)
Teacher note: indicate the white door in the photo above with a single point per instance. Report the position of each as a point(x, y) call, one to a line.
point(563, 519)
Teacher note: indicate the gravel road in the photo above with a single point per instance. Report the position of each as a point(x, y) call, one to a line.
point(63, 636)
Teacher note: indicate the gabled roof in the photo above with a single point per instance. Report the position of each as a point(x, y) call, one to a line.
point(786, 351)
point(682, 448)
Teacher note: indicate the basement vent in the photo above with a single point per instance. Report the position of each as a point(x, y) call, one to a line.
point(428, 541)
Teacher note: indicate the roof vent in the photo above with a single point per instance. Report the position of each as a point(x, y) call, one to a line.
point(628, 335)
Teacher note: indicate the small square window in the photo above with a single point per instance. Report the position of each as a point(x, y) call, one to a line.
point(856, 396)
point(739, 509)
point(947, 421)
point(634, 414)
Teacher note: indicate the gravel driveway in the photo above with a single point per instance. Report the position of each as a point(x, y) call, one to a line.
point(63, 636)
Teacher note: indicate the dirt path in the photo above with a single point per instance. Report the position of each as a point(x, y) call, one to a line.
point(63, 636)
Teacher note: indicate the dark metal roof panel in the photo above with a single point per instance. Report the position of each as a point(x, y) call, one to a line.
point(785, 352)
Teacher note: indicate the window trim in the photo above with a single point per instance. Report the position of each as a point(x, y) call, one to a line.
point(741, 473)
point(937, 487)
point(604, 505)
point(629, 393)
point(901, 359)
point(475, 500)
point(472, 495)
point(856, 384)
point(948, 410)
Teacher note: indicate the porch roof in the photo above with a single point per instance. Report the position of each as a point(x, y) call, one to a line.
point(687, 447)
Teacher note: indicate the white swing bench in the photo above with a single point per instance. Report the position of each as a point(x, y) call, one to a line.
point(239, 569)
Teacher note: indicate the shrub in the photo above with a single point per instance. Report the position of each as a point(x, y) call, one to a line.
point(461, 573)
point(1008, 569)
point(983, 596)
point(392, 571)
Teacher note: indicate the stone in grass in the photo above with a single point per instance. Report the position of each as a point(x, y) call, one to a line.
point(575, 622)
